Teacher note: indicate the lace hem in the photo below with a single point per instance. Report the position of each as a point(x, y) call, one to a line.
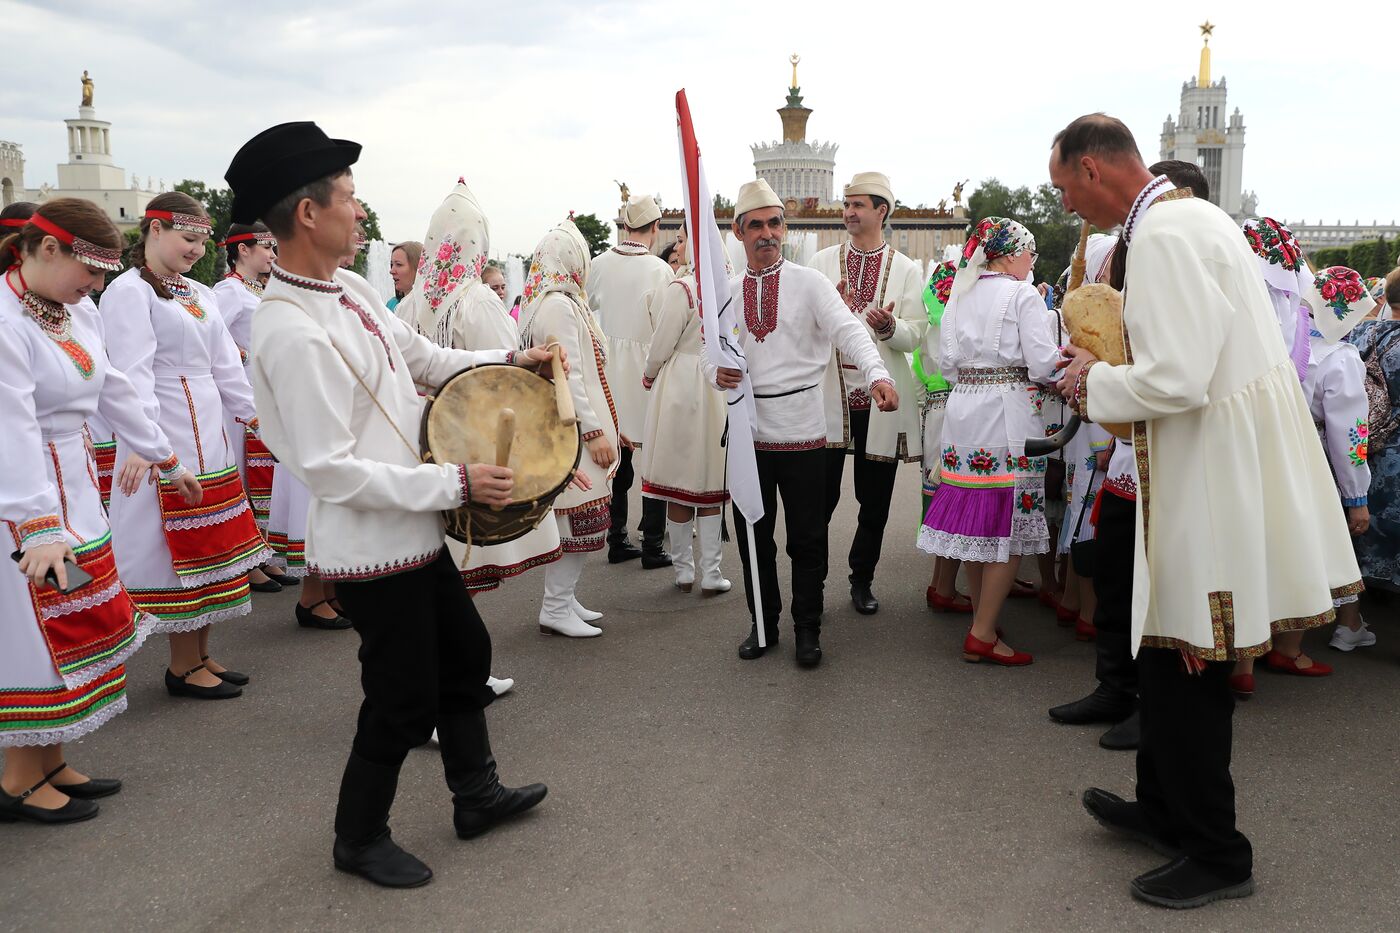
point(978, 550)
point(218, 575)
point(87, 675)
point(68, 733)
point(205, 521)
point(161, 626)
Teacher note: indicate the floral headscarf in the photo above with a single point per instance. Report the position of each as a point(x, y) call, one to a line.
point(454, 255)
point(1280, 256)
point(1339, 301)
point(559, 265)
point(1375, 287)
point(993, 238)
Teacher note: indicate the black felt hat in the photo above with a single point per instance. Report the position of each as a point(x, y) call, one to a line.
point(278, 161)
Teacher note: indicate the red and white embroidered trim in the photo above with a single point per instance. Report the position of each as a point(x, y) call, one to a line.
point(817, 444)
point(190, 223)
point(374, 571)
point(761, 300)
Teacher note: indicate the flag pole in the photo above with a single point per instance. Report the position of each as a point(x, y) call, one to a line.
point(757, 589)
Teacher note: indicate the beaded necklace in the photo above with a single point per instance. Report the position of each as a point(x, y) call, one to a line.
point(255, 287)
point(56, 323)
point(181, 290)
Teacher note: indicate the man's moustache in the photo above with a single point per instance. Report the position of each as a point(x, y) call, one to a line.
point(764, 241)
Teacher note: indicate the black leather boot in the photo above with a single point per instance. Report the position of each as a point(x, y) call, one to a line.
point(363, 845)
point(809, 645)
point(621, 548)
point(864, 600)
point(1125, 736)
point(1115, 697)
point(653, 529)
point(479, 801)
point(749, 647)
point(1103, 705)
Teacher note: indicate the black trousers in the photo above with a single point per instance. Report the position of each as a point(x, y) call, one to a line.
point(874, 481)
point(799, 477)
point(1113, 589)
point(1183, 761)
point(424, 653)
point(653, 523)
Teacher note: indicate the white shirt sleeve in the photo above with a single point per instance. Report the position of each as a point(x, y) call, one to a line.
point(837, 324)
point(1345, 409)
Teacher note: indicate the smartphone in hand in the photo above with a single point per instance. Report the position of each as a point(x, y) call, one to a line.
point(77, 576)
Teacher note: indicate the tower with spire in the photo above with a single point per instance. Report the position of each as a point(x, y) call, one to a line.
point(796, 169)
point(1207, 133)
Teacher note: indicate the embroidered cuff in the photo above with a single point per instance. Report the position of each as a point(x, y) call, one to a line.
point(465, 480)
point(878, 382)
point(511, 357)
point(887, 331)
point(1080, 400)
point(1354, 503)
point(172, 469)
point(592, 434)
point(46, 529)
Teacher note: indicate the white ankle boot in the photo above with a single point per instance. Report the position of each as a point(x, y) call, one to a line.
point(556, 612)
point(712, 582)
point(682, 553)
point(587, 615)
point(499, 686)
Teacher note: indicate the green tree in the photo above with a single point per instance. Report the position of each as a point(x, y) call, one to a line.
point(1330, 256)
point(1056, 231)
point(594, 231)
point(723, 204)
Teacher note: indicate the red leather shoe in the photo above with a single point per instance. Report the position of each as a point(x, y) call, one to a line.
point(1066, 617)
point(1242, 686)
point(1278, 661)
point(1084, 630)
point(975, 650)
point(943, 604)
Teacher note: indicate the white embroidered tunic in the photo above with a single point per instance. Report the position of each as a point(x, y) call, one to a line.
point(874, 279)
point(792, 317)
point(326, 357)
point(619, 288)
point(1336, 393)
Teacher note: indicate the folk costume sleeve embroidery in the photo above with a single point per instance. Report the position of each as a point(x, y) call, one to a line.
point(1340, 404)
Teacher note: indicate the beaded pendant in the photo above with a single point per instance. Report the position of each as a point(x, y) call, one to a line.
point(57, 324)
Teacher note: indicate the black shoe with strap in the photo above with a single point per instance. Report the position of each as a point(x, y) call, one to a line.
point(307, 618)
point(282, 579)
point(266, 586)
point(90, 789)
point(177, 686)
point(750, 649)
point(228, 677)
point(14, 809)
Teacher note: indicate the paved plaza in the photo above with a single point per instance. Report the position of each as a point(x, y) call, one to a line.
point(893, 788)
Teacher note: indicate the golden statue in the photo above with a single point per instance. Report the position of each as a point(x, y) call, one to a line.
point(622, 187)
point(794, 58)
point(958, 190)
point(87, 89)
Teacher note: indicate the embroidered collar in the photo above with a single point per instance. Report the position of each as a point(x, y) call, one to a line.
point(631, 248)
point(311, 285)
point(866, 252)
point(1154, 189)
point(766, 271)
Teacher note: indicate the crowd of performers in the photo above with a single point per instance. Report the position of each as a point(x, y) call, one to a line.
point(186, 446)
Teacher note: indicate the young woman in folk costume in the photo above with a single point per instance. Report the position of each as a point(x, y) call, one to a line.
point(62, 657)
point(555, 306)
point(989, 508)
point(683, 459)
point(250, 250)
point(188, 568)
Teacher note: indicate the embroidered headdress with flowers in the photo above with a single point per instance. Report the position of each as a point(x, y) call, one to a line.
point(454, 255)
point(992, 238)
point(1339, 302)
point(559, 266)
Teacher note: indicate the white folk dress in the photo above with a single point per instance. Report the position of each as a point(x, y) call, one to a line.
point(1239, 533)
point(583, 515)
point(620, 283)
point(1084, 481)
point(874, 279)
point(62, 658)
point(682, 459)
point(998, 342)
point(237, 300)
point(185, 367)
point(479, 321)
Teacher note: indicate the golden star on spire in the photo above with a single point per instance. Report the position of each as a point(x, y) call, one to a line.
point(1206, 29)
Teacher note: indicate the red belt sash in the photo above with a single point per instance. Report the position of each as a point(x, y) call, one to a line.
point(106, 454)
point(258, 466)
point(215, 539)
point(91, 626)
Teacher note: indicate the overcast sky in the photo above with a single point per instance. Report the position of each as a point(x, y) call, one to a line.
point(541, 104)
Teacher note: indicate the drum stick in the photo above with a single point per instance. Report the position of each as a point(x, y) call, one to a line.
point(563, 399)
point(505, 436)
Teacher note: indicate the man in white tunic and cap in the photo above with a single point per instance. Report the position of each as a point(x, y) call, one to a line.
point(620, 281)
point(1238, 535)
point(883, 288)
point(792, 319)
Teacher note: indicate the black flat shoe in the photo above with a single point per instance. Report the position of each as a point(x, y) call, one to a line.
point(1185, 883)
point(1103, 705)
point(809, 647)
point(1123, 737)
point(749, 647)
point(230, 677)
point(308, 619)
point(178, 687)
point(864, 600)
point(513, 802)
point(382, 861)
point(15, 810)
point(267, 586)
point(90, 789)
point(281, 578)
point(1125, 818)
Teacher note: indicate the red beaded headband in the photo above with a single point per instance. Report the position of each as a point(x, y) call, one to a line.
point(99, 257)
point(191, 223)
point(264, 239)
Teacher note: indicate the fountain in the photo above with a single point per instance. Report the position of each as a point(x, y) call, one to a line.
point(377, 268)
